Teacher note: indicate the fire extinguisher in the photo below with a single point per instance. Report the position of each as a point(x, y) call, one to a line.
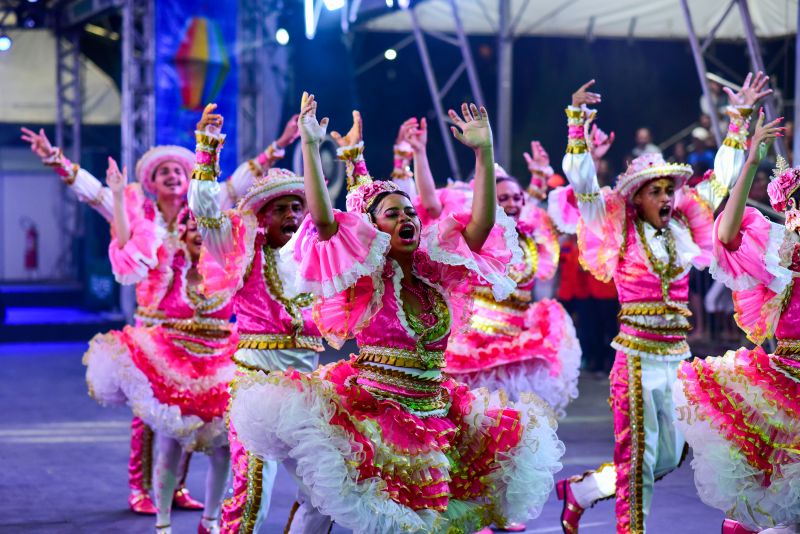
point(31, 255)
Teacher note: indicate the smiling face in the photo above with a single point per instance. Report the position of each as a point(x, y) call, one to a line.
point(169, 179)
point(510, 197)
point(193, 240)
point(394, 215)
point(281, 217)
point(654, 202)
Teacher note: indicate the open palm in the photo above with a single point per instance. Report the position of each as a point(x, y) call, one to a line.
point(473, 129)
point(311, 131)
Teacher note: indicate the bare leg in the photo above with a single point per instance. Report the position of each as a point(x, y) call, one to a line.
point(216, 481)
point(166, 476)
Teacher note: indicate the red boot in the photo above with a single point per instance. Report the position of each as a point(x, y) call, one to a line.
point(729, 526)
point(182, 499)
point(571, 512)
point(141, 503)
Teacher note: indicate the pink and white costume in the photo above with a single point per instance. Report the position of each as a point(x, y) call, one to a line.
point(174, 375)
point(274, 322)
point(650, 269)
point(385, 442)
point(741, 412)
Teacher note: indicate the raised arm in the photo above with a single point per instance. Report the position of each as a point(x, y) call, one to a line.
point(731, 155)
point(474, 131)
point(538, 162)
point(577, 163)
point(204, 190)
point(312, 134)
point(403, 153)
point(731, 217)
point(87, 188)
point(417, 137)
point(116, 182)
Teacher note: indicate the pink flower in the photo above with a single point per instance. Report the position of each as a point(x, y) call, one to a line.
point(782, 187)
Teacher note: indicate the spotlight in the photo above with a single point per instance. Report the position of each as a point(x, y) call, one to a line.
point(282, 36)
point(5, 43)
point(389, 3)
point(390, 54)
point(333, 5)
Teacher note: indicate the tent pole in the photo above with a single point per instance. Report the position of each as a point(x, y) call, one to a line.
point(430, 78)
point(466, 54)
point(505, 59)
point(758, 64)
point(796, 144)
point(700, 64)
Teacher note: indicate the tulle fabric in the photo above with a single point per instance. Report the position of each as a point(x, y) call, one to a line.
point(600, 246)
point(176, 393)
point(130, 263)
point(544, 358)
point(374, 467)
point(562, 207)
point(229, 276)
point(741, 416)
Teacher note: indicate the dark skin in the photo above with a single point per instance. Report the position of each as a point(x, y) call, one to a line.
point(655, 201)
point(511, 198)
point(280, 218)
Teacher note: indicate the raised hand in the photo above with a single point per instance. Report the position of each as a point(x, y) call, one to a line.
point(417, 137)
point(40, 144)
point(537, 158)
point(116, 180)
point(584, 96)
point(753, 89)
point(352, 137)
point(290, 133)
point(474, 130)
point(402, 133)
point(311, 131)
point(210, 122)
point(764, 136)
point(600, 142)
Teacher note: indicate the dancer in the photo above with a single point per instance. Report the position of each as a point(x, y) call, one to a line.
point(515, 344)
point(645, 234)
point(384, 442)
point(274, 322)
point(175, 375)
point(739, 412)
point(163, 173)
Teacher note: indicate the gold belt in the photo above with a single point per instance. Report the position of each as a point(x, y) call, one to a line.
point(519, 299)
point(650, 346)
point(279, 341)
point(419, 359)
point(788, 347)
point(655, 308)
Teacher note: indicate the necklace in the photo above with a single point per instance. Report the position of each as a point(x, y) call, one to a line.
point(432, 323)
point(668, 270)
point(293, 306)
point(530, 258)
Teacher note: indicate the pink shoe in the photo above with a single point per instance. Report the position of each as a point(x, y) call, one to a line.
point(182, 499)
point(485, 530)
point(512, 527)
point(729, 526)
point(141, 503)
point(571, 512)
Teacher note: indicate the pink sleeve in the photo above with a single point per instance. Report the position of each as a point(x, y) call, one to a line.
point(131, 262)
point(452, 262)
point(229, 277)
point(544, 235)
point(152, 289)
point(562, 206)
point(756, 261)
point(343, 315)
point(600, 247)
point(328, 267)
point(452, 200)
point(699, 218)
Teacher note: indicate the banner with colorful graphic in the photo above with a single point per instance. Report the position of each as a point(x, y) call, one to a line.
point(196, 64)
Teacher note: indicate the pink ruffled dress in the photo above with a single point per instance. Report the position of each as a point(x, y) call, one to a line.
point(175, 375)
point(516, 344)
point(385, 441)
point(741, 412)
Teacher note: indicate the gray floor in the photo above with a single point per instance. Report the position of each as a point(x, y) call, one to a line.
point(64, 458)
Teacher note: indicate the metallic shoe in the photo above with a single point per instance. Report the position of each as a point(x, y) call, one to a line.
point(141, 503)
point(571, 512)
point(182, 499)
point(729, 526)
point(163, 529)
point(213, 528)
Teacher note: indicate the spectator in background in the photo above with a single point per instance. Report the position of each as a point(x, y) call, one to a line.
point(679, 153)
point(701, 155)
point(644, 143)
point(605, 175)
point(758, 191)
point(719, 100)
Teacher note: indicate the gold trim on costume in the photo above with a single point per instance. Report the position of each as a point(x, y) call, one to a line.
point(279, 342)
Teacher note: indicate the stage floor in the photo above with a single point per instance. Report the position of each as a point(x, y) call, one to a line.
point(65, 458)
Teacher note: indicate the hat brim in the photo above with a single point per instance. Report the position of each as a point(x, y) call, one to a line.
point(629, 185)
point(261, 193)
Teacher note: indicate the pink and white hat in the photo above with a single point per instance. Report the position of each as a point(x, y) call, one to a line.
point(362, 190)
point(648, 167)
point(150, 160)
point(276, 183)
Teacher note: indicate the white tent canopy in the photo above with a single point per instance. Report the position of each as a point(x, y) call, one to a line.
point(656, 19)
point(28, 83)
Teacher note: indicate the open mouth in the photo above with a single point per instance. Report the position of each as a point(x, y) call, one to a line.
point(407, 232)
point(198, 241)
point(289, 229)
point(665, 212)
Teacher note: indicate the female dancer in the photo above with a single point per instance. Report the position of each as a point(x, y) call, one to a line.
point(274, 322)
point(740, 411)
point(646, 234)
point(515, 344)
point(175, 375)
point(163, 173)
point(385, 442)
